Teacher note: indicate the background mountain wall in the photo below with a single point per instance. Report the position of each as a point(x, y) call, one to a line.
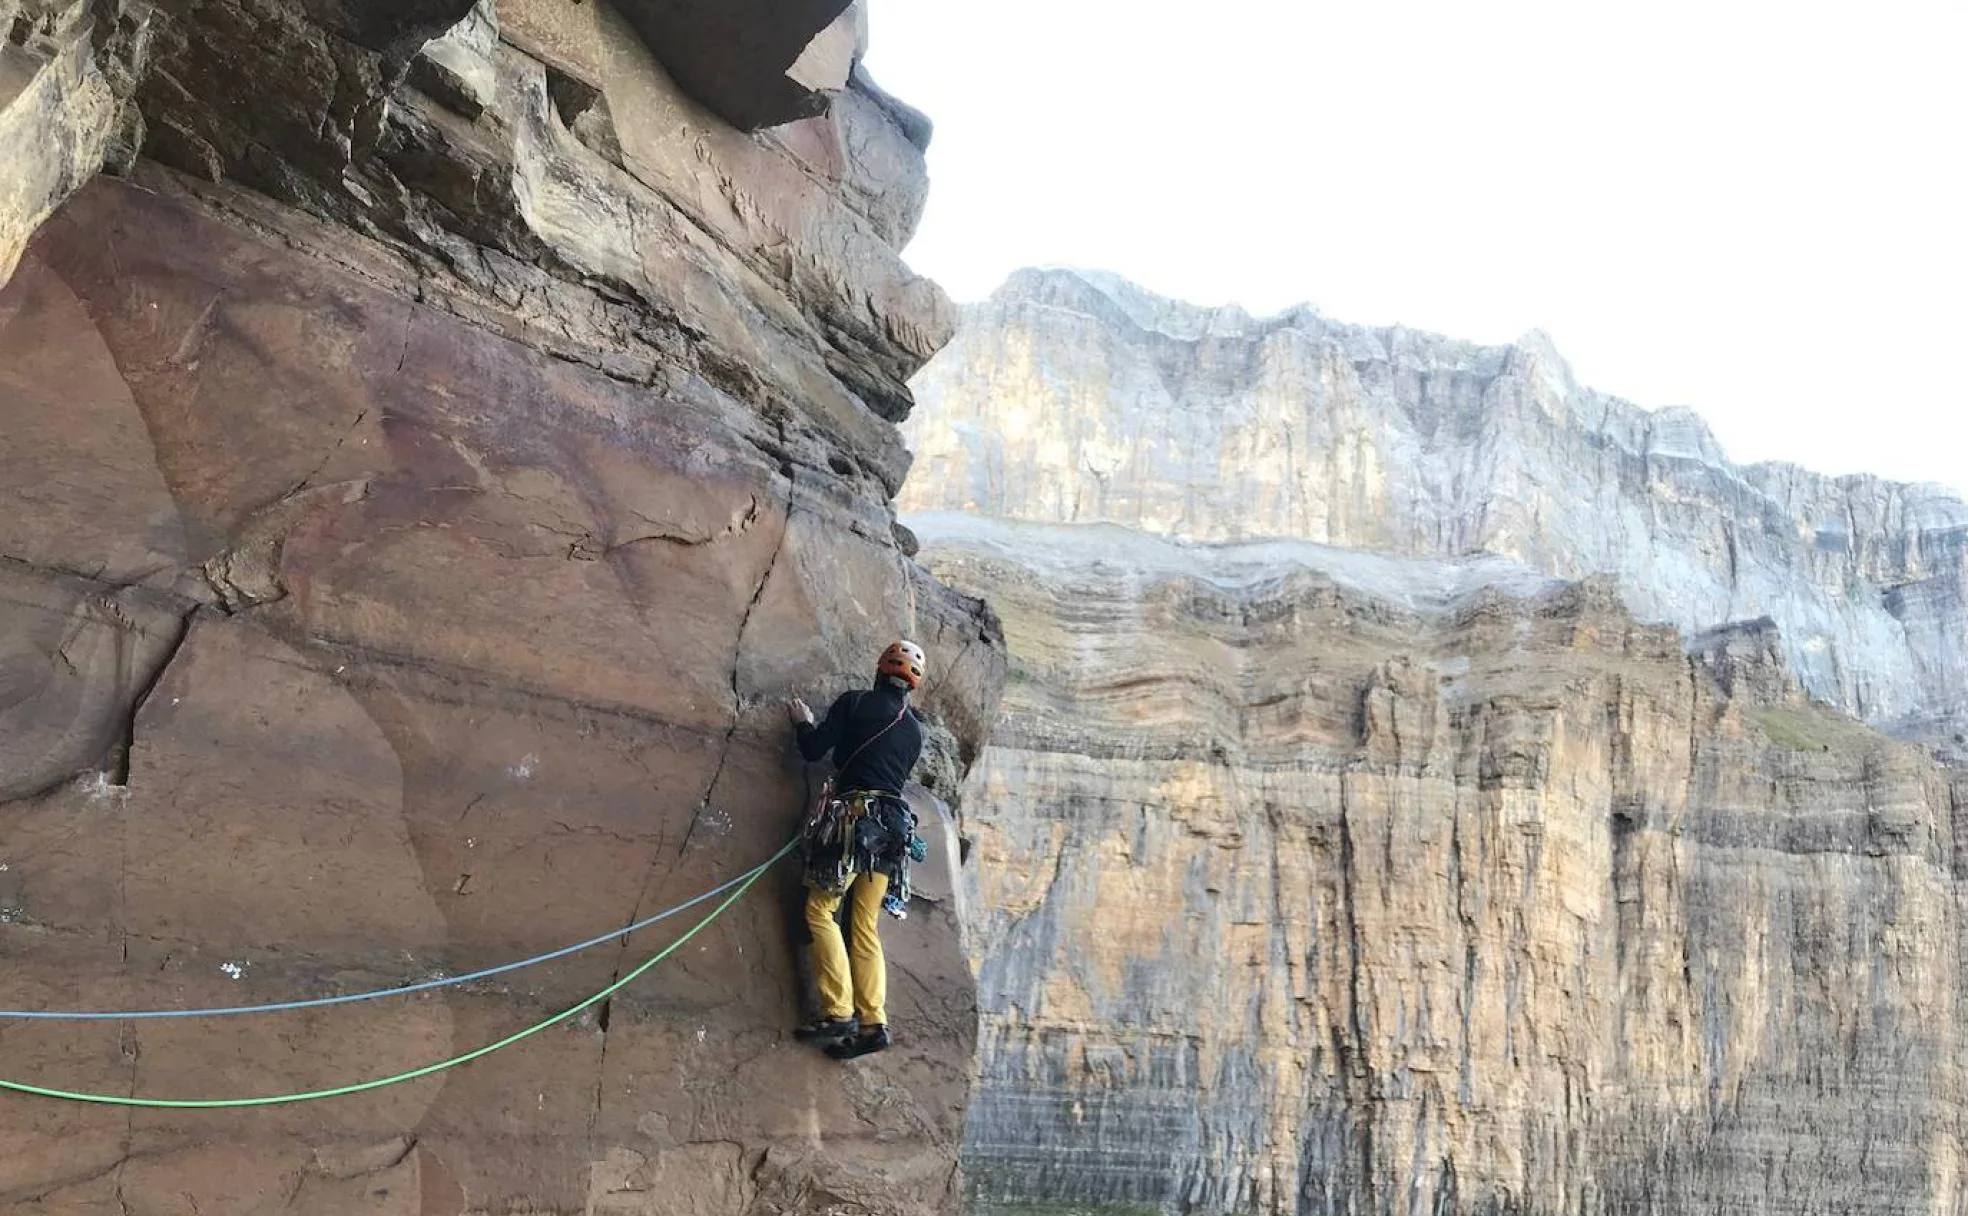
point(1074, 396)
point(1427, 786)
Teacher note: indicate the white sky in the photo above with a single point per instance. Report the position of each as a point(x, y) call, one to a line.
point(1754, 209)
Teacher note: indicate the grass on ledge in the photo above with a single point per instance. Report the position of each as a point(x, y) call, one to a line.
point(1813, 729)
point(1061, 1209)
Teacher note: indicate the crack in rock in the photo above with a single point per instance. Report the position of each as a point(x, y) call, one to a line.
point(119, 766)
point(741, 523)
point(737, 654)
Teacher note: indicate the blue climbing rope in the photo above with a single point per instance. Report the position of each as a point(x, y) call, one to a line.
point(412, 1074)
point(63, 1015)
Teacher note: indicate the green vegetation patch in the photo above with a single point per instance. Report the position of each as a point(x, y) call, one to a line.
point(1813, 729)
point(980, 1208)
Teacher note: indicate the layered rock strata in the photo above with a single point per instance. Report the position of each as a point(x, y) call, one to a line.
point(426, 471)
point(1353, 840)
point(1076, 397)
point(1322, 882)
point(66, 71)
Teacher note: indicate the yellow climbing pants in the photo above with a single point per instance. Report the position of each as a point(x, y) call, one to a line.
point(830, 957)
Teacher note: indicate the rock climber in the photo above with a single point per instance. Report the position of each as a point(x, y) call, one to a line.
point(857, 844)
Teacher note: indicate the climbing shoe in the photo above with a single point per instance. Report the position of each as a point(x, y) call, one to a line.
point(873, 1039)
point(823, 1031)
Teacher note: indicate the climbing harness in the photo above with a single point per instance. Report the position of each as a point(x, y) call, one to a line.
point(862, 832)
point(742, 884)
point(449, 981)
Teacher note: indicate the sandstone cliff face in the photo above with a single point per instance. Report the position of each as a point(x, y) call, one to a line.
point(1075, 396)
point(1323, 882)
point(425, 473)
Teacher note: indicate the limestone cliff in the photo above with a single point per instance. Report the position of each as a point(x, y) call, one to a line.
point(426, 469)
point(1391, 812)
point(1320, 882)
point(1074, 396)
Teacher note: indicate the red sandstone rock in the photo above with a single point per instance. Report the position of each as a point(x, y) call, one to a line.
point(415, 598)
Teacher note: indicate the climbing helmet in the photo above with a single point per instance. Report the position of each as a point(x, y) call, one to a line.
point(904, 661)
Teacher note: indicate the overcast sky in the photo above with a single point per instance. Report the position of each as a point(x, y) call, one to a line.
point(1754, 209)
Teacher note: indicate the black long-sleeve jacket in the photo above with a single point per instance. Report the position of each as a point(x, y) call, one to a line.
point(880, 714)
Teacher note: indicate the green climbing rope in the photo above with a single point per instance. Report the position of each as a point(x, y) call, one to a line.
point(338, 1091)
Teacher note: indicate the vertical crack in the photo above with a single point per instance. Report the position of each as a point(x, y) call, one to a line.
point(605, 1015)
point(119, 766)
point(737, 654)
point(1359, 1066)
point(602, 1019)
point(1466, 920)
point(403, 354)
point(127, 1041)
point(347, 431)
point(129, 1143)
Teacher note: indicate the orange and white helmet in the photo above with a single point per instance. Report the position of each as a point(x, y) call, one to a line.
point(903, 660)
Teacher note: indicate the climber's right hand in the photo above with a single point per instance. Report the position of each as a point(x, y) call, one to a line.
point(798, 711)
